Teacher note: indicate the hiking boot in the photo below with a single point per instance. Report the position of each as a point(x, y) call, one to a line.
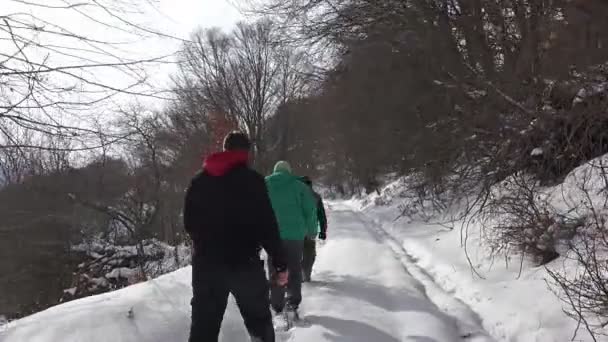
point(292, 314)
point(276, 311)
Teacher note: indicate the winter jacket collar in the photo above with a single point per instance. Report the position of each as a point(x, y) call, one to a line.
point(219, 164)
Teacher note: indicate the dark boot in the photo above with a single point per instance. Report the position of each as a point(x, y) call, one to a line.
point(308, 258)
point(277, 293)
point(305, 277)
point(294, 265)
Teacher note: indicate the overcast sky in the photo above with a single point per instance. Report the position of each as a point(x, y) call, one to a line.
point(174, 18)
point(46, 34)
point(182, 16)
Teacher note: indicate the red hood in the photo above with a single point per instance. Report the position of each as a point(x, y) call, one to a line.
point(218, 164)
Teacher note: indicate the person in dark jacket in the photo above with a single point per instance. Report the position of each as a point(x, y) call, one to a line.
point(310, 243)
point(229, 217)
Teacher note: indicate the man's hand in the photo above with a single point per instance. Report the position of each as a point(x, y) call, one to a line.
point(322, 236)
point(282, 278)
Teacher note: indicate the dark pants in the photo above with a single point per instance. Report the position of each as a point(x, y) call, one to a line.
point(292, 293)
point(212, 285)
point(308, 259)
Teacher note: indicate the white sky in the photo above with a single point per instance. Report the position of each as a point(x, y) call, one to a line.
point(48, 37)
point(182, 16)
point(177, 18)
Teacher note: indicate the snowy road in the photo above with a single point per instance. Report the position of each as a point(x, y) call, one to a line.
point(365, 288)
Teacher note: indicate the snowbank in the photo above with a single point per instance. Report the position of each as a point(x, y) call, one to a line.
point(510, 294)
point(380, 277)
point(107, 267)
point(362, 291)
point(156, 310)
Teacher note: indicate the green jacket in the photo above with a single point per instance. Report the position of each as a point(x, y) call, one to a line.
point(294, 205)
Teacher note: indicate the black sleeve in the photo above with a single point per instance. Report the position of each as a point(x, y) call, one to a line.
point(321, 215)
point(268, 226)
point(191, 219)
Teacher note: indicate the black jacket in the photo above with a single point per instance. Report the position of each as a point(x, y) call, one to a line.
point(321, 217)
point(228, 215)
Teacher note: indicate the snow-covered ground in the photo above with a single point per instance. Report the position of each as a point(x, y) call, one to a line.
point(364, 289)
point(510, 295)
point(106, 266)
point(376, 279)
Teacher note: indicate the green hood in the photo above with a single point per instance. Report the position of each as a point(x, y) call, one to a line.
point(281, 178)
point(282, 166)
point(294, 205)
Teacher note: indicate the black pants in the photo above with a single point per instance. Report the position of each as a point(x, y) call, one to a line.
point(292, 293)
point(308, 259)
point(212, 285)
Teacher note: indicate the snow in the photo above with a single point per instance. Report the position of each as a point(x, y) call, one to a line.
point(477, 94)
point(108, 263)
point(591, 90)
point(122, 272)
point(582, 189)
point(71, 291)
point(363, 290)
point(580, 96)
point(537, 152)
point(510, 296)
point(380, 277)
point(99, 282)
point(159, 307)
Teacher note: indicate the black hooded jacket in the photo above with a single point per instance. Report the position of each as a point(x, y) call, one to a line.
point(228, 214)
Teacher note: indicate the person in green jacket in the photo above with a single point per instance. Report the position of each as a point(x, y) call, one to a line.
point(295, 209)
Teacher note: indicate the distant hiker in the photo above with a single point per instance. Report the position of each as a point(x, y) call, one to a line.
point(294, 205)
point(319, 228)
point(229, 217)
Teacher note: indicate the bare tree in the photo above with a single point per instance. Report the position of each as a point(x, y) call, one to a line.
point(62, 61)
point(15, 163)
point(489, 98)
point(245, 74)
point(137, 211)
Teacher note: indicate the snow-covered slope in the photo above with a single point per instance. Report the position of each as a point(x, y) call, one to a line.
point(377, 279)
point(510, 295)
point(363, 290)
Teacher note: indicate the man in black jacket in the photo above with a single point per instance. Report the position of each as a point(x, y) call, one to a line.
point(310, 243)
point(229, 217)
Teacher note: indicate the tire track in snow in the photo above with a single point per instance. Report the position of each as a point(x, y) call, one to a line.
point(468, 321)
